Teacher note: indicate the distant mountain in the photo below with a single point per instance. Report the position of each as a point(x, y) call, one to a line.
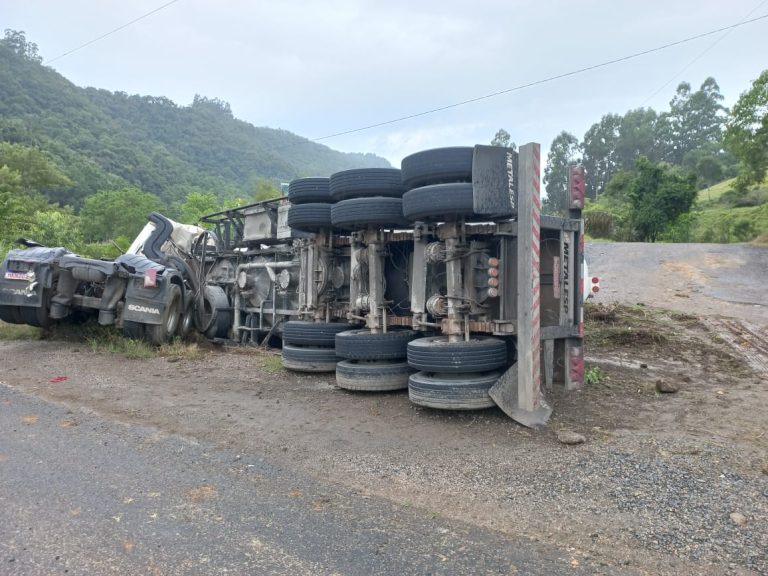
point(104, 140)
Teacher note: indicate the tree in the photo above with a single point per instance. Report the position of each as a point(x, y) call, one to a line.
point(265, 190)
point(658, 196)
point(17, 42)
point(110, 214)
point(502, 138)
point(56, 228)
point(214, 104)
point(599, 153)
point(198, 204)
point(563, 152)
point(640, 133)
point(695, 118)
point(746, 134)
point(36, 172)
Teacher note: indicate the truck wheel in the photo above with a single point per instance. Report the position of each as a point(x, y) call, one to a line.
point(437, 166)
point(11, 314)
point(436, 354)
point(187, 321)
point(309, 190)
point(362, 344)
point(359, 213)
point(309, 358)
point(309, 217)
point(133, 330)
point(438, 202)
point(372, 375)
point(366, 183)
point(39, 316)
point(215, 318)
point(452, 391)
point(163, 332)
point(306, 333)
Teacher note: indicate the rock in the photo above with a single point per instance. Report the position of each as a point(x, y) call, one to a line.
point(643, 365)
point(765, 469)
point(738, 518)
point(686, 379)
point(665, 387)
point(570, 438)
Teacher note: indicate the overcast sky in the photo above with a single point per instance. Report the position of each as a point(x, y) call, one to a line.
point(320, 67)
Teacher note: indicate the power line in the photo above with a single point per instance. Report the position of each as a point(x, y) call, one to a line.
point(701, 55)
point(543, 80)
point(60, 56)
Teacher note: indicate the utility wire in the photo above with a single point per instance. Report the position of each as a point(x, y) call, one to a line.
point(701, 55)
point(60, 56)
point(543, 80)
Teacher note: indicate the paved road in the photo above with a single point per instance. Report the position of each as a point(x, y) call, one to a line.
point(83, 495)
point(711, 279)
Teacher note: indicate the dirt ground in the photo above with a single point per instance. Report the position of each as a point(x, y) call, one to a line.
point(673, 483)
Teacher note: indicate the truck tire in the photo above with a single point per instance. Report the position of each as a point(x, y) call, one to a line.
point(309, 358)
point(306, 333)
point(452, 391)
point(187, 321)
point(437, 166)
point(161, 333)
point(309, 217)
point(35, 316)
point(39, 316)
point(215, 318)
point(441, 202)
point(366, 183)
point(11, 314)
point(359, 213)
point(436, 354)
point(362, 344)
point(133, 330)
point(309, 190)
point(372, 375)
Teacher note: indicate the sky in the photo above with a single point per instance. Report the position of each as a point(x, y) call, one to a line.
point(317, 68)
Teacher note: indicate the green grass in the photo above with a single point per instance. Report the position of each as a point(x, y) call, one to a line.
point(19, 332)
point(271, 363)
point(593, 375)
point(718, 220)
point(712, 195)
point(722, 224)
point(104, 339)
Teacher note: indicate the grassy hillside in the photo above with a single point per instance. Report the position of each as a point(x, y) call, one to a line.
point(725, 217)
point(103, 140)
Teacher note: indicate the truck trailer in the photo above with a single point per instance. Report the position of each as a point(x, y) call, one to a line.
point(442, 277)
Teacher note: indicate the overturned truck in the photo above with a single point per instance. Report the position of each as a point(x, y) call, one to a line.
point(442, 277)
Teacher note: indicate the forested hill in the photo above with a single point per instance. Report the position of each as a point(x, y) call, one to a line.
point(107, 140)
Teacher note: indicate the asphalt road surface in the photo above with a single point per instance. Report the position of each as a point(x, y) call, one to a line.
point(710, 279)
point(83, 495)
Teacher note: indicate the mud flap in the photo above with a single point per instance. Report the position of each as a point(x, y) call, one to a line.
point(506, 396)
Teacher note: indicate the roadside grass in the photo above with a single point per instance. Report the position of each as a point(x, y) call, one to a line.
point(593, 375)
point(723, 224)
point(111, 342)
point(178, 349)
point(271, 363)
point(19, 332)
point(721, 217)
point(104, 339)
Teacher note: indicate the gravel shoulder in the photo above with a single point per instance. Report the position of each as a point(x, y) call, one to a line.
point(665, 483)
